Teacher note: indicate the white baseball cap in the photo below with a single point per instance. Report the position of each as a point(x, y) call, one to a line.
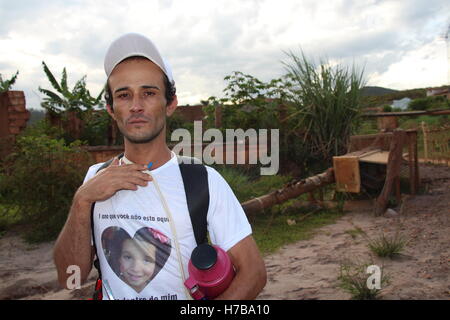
point(134, 44)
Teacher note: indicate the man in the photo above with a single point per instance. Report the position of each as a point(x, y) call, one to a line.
point(141, 94)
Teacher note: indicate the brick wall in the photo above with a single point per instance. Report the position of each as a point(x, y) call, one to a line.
point(190, 113)
point(13, 118)
point(13, 112)
point(103, 153)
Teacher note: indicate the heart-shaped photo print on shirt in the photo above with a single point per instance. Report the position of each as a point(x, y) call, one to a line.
point(136, 260)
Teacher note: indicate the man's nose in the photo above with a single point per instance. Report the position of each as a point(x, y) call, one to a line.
point(136, 104)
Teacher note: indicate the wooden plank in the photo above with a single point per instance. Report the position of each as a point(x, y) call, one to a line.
point(380, 157)
point(346, 173)
point(408, 113)
point(361, 153)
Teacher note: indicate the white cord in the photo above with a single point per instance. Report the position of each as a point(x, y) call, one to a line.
point(172, 227)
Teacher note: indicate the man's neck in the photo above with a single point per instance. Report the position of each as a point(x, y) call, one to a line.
point(155, 151)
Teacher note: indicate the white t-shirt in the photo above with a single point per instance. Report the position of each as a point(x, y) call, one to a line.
point(135, 244)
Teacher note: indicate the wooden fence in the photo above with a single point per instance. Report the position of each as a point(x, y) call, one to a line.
point(436, 144)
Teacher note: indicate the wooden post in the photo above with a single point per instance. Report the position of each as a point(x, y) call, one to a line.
point(416, 163)
point(218, 116)
point(393, 170)
point(398, 194)
point(289, 191)
point(425, 141)
point(413, 161)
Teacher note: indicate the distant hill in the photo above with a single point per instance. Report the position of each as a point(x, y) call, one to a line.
point(379, 96)
point(376, 91)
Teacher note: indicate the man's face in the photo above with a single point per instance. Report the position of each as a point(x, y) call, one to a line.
point(140, 106)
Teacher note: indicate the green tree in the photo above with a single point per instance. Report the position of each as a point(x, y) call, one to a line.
point(78, 99)
point(6, 85)
point(249, 102)
point(62, 101)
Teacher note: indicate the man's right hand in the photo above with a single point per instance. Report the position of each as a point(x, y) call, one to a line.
point(112, 179)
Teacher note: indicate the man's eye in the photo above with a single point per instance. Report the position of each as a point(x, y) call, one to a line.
point(122, 95)
point(149, 93)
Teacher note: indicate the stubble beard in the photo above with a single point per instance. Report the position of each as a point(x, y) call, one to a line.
point(141, 139)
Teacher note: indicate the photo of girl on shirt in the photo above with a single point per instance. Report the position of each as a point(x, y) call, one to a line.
point(136, 261)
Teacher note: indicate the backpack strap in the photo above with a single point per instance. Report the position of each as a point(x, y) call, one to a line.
point(195, 180)
point(98, 285)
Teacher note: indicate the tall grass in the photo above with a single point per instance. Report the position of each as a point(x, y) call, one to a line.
point(328, 99)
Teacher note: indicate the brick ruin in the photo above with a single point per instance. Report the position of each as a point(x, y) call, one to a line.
point(13, 118)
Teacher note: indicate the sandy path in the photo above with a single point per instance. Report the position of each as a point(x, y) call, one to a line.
point(304, 270)
point(309, 269)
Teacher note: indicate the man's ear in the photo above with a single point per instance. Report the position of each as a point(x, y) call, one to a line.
point(170, 109)
point(110, 110)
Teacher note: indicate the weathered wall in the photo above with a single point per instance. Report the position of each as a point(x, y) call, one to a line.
point(14, 115)
point(190, 113)
point(13, 118)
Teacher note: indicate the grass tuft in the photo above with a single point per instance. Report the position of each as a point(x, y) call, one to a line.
point(353, 278)
point(388, 246)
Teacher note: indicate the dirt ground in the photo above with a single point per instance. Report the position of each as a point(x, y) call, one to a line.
point(306, 269)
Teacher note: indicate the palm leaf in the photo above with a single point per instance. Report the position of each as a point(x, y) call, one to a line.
point(99, 97)
point(51, 78)
point(51, 95)
point(64, 87)
point(7, 84)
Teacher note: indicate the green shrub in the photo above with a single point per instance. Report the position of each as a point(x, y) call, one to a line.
point(353, 279)
point(39, 179)
point(95, 127)
point(246, 187)
point(428, 103)
point(387, 108)
point(419, 104)
point(43, 128)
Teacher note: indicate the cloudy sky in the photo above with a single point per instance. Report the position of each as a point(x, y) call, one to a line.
point(400, 43)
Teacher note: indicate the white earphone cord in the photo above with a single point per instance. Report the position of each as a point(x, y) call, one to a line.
point(172, 227)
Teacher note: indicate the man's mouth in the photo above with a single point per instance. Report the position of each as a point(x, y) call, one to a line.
point(137, 121)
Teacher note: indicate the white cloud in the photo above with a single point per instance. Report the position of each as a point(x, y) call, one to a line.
point(207, 40)
point(424, 67)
